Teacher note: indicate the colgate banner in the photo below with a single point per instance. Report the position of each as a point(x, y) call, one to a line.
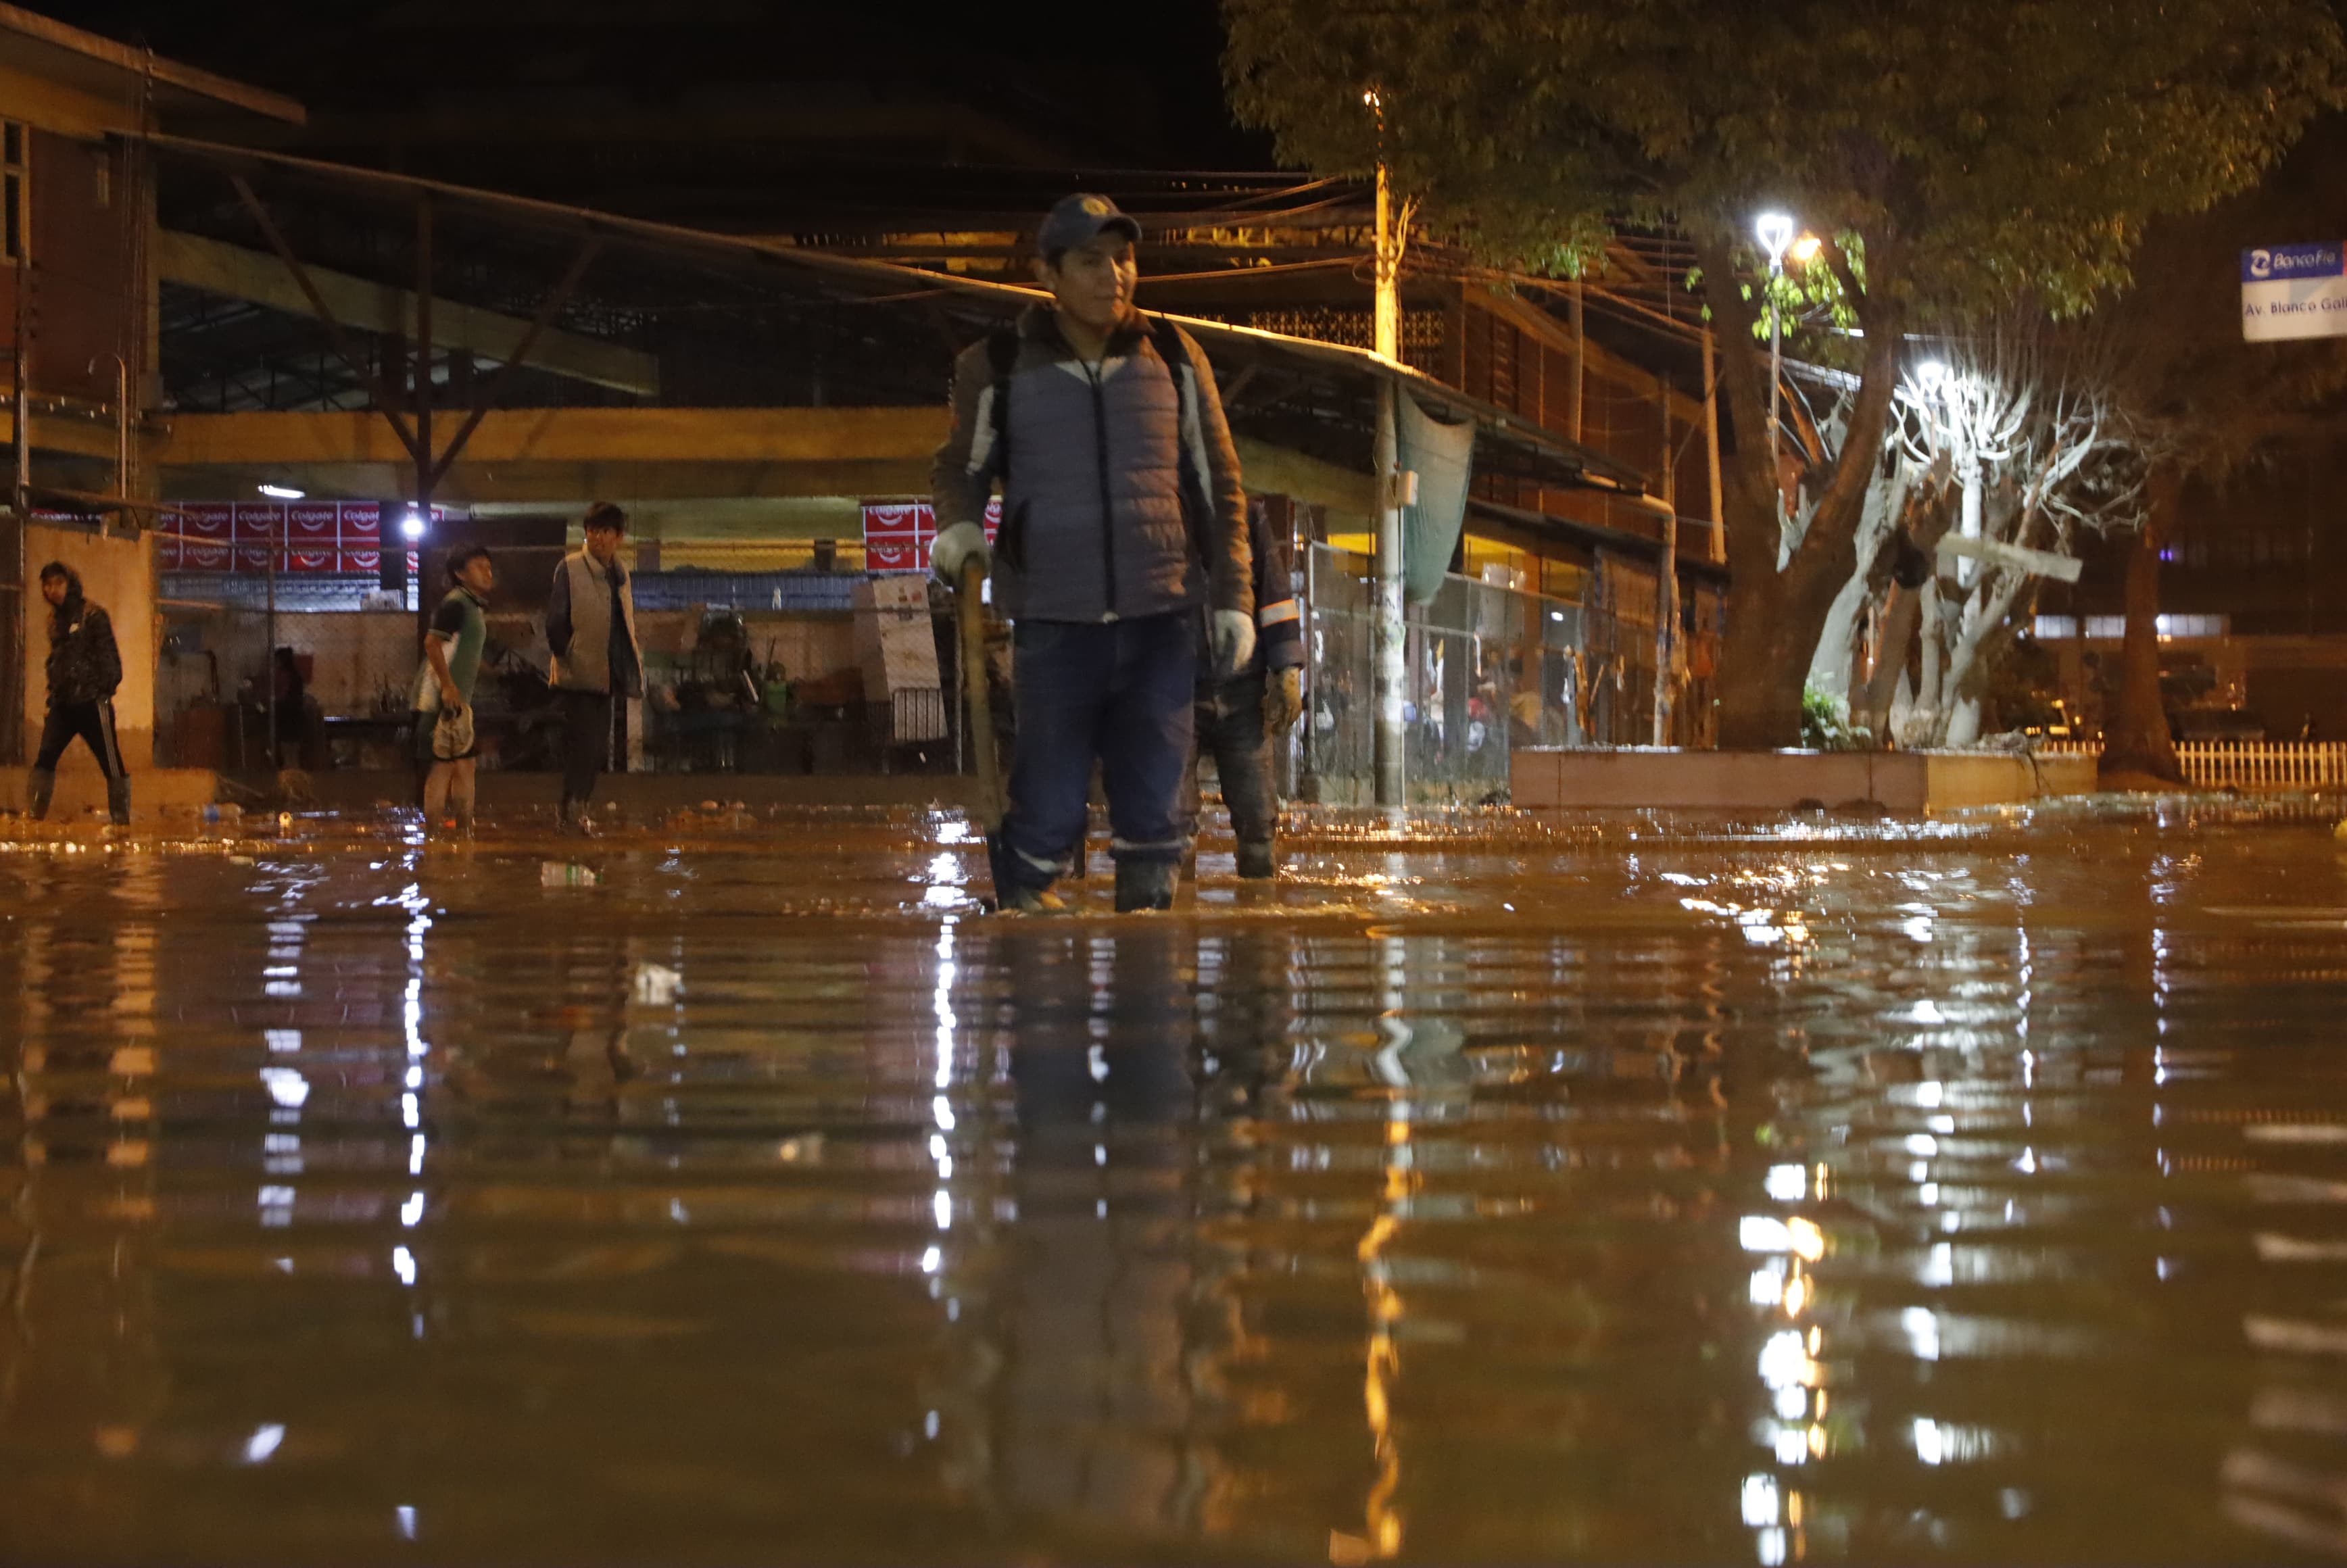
point(309, 527)
point(311, 536)
point(897, 534)
point(203, 521)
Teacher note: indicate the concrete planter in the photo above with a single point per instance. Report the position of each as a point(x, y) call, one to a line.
point(1780, 781)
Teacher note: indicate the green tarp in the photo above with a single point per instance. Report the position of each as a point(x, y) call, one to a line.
point(1443, 457)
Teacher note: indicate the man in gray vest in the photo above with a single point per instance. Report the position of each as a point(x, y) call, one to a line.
point(590, 625)
point(1124, 547)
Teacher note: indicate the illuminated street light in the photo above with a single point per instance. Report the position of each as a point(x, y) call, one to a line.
point(281, 492)
point(1774, 231)
point(1930, 375)
point(411, 527)
point(1807, 249)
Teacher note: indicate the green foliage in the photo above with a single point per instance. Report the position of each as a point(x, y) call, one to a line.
point(1825, 726)
point(1978, 148)
point(2020, 680)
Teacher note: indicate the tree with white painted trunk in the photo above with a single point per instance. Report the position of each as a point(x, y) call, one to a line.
point(2009, 440)
point(1947, 154)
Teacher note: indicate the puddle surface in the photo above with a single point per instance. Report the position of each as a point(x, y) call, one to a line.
point(1498, 1191)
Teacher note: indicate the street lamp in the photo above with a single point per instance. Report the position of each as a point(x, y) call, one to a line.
point(1775, 233)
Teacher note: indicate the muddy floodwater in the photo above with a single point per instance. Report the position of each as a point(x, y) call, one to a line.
point(732, 1190)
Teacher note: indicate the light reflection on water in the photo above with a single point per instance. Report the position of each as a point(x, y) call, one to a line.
point(1774, 1192)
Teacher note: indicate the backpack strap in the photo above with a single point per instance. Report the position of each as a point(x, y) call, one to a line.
point(1001, 358)
point(1197, 506)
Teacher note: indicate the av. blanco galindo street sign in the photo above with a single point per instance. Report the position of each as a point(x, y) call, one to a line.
point(2294, 291)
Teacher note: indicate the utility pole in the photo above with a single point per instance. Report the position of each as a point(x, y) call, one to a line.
point(1389, 647)
point(19, 632)
point(1667, 581)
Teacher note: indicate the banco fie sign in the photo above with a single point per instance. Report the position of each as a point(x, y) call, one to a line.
point(2294, 291)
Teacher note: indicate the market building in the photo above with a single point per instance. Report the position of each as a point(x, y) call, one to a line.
point(352, 370)
point(77, 313)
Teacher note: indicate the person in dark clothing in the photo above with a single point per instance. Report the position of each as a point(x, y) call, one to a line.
point(85, 670)
point(1239, 714)
point(292, 696)
point(590, 625)
point(1123, 538)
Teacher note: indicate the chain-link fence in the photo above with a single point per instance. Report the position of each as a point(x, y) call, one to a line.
point(1488, 669)
point(787, 672)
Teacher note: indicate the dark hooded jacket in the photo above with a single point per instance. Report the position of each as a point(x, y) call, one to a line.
point(84, 664)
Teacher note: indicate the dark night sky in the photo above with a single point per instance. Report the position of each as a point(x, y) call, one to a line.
point(1137, 88)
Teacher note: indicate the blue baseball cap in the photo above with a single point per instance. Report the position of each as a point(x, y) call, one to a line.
point(1080, 219)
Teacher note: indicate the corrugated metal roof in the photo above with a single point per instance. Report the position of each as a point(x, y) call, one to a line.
point(1531, 446)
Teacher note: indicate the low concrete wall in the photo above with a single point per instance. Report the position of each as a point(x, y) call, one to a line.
point(1778, 780)
point(359, 790)
point(81, 788)
point(1959, 779)
point(154, 790)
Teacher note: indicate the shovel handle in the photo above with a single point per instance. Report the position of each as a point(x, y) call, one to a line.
point(969, 614)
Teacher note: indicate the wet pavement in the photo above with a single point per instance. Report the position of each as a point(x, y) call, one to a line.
point(731, 1191)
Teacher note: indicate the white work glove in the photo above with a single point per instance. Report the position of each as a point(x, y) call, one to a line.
point(956, 547)
point(1283, 701)
point(1234, 639)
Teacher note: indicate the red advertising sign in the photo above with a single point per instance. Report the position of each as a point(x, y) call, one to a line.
point(892, 536)
point(311, 536)
point(309, 525)
point(897, 534)
point(207, 520)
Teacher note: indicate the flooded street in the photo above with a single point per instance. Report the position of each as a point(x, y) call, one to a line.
point(1798, 1189)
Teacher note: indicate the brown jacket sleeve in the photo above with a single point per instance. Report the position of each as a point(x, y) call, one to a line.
point(1232, 571)
point(961, 479)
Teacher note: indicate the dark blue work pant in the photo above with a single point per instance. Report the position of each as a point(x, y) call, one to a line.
point(1118, 693)
point(1230, 725)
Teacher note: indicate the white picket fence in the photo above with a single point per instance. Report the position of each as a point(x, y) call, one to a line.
point(2244, 764)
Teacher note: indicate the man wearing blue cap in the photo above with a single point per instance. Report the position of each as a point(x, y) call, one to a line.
point(1123, 550)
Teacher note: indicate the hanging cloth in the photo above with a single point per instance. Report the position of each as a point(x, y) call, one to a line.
point(1443, 455)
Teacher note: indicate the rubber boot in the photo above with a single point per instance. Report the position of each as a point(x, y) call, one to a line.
point(1144, 885)
point(38, 788)
point(1256, 861)
point(1011, 895)
point(117, 801)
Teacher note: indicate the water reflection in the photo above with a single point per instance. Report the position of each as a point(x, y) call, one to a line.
point(1501, 1191)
